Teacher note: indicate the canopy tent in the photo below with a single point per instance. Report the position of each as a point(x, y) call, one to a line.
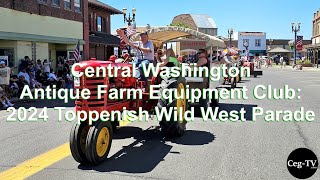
point(161, 35)
point(279, 50)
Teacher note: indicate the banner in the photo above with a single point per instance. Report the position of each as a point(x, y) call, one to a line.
point(299, 45)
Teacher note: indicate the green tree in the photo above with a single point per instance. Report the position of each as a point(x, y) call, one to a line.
point(180, 24)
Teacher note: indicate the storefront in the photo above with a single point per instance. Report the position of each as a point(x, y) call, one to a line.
point(313, 53)
point(42, 39)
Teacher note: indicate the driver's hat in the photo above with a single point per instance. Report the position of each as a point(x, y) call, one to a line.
point(144, 33)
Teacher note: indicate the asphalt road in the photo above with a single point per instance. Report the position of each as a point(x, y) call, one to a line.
point(208, 150)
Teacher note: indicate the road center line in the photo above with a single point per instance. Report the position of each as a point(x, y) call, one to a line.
point(39, 163)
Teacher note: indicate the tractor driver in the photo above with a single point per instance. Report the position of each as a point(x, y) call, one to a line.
point(145, 54)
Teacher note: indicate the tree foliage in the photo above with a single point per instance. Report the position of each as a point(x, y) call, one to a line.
point(180, 24)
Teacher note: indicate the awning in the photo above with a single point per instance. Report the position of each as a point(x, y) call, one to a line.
point(38, 38)
point(104, 6)
point(279, 50)
point(161, 35)
point(104, 38)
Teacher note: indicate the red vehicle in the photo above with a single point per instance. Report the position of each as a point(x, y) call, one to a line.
point(90, 143)
point(253, 72)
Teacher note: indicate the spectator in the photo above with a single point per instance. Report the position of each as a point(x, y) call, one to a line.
point(21, 83)
point(4, 100)
point(46, 66)
point(24, 73)
point(57, 81)
point(13, 85)
point(33, 82)
point(66, 68)
point(38, 66)
point(5, 74)
point(69, 80)
point(23, 64)
point(60, 69)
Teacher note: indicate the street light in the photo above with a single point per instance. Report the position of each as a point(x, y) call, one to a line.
point(270, 45)
point(295, 29)
point(230, 32)
point(246, 45)
point(129, 20)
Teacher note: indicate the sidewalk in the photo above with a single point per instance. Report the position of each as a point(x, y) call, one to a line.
point(287, 67)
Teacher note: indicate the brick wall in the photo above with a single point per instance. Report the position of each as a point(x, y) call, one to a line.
point(86, 29)
point(186, 19)
point(33, 7)
point(93, 14)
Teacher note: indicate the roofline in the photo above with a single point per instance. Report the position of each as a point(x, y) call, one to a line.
point(106, 7)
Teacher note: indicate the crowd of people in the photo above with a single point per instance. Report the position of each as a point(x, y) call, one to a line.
point(39, 74)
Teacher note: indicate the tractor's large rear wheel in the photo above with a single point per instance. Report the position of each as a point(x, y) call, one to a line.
point(99, 141)
point(78, 136)
point(173, 126)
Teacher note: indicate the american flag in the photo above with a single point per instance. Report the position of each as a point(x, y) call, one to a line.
point(131, 30)
point(76, 53)
point(299, 42)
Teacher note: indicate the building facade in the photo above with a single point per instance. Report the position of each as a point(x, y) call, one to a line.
point(313, 50)
point(199, 22)
point(41, 29)
point(256, 42)
point(101, 42)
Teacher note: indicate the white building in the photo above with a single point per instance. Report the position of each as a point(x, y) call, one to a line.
point(256, 42)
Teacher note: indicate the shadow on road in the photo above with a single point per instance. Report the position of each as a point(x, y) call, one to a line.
point(229, 107)
point(148, 150)
point(237, 107)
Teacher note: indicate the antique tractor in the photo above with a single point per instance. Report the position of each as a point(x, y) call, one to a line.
point(91, 143)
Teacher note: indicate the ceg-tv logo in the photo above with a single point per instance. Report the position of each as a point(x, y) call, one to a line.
point(302, 163)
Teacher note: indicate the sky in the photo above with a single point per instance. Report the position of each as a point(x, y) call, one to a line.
point(271, 16)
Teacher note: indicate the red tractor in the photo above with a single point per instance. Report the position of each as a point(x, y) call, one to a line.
point(91, 143)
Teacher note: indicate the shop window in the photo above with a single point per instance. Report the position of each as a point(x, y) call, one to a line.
point(67, 4)
point(258, 42)
point(56, 3)
point(8, 54)
point(101, 24)
point(77, 5)
point(43, 1)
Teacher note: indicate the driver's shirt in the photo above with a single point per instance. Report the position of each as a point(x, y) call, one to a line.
point(148, 56)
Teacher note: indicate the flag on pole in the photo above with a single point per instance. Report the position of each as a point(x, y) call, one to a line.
point(131, 30)
point(76, 53)
point(299, 43)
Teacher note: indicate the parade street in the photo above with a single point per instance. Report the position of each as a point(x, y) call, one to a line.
point(208, 150)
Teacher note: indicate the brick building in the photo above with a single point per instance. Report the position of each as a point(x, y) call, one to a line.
point(313, 49)
point(41, 29)
point(101, 42)
point(199, 22)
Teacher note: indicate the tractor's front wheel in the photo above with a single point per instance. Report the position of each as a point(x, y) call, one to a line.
point(99, 141)
point(78, 136)
point(174, 126)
